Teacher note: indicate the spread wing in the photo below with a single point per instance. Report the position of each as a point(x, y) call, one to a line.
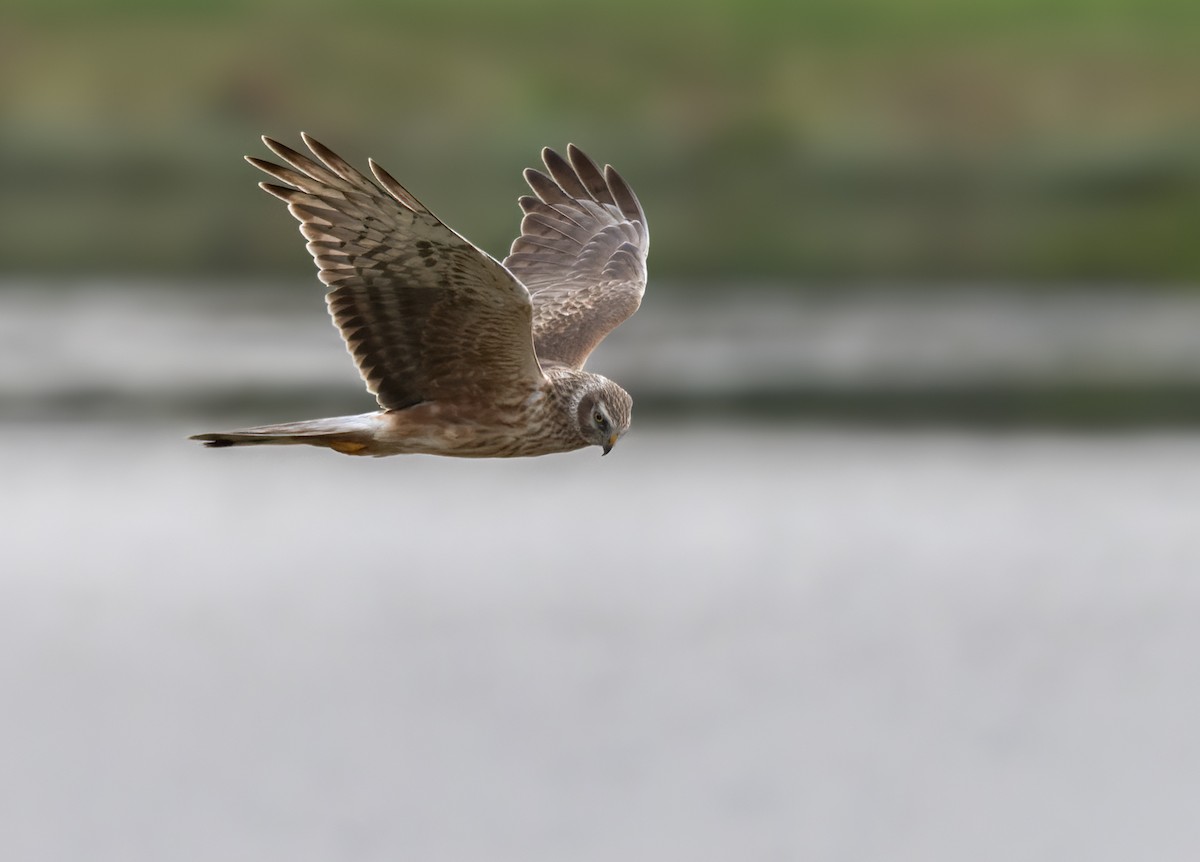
point(582, 254)
point(426, 315)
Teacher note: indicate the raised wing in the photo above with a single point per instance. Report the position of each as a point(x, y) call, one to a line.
point(582, 254)
point(426, 315)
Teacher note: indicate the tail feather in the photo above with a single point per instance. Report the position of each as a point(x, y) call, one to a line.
point(345, 433)
point(218, 440)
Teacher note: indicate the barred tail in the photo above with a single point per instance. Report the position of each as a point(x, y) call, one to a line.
point(348, 434)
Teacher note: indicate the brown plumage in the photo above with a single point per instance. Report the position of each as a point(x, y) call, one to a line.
point(465, 355)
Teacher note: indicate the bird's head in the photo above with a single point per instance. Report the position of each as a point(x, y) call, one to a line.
point(604, 413)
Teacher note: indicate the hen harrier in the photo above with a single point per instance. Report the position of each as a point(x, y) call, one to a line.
point(466, 355)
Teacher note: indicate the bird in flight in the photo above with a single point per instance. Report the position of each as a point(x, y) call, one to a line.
point(467, 356)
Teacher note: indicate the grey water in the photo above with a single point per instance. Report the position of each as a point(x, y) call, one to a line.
point(719, 642)
point(726, 640)
point(107, 349)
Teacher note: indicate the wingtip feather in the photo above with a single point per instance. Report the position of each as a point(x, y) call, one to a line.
point(623, 195)
point(292, 157)
point(393, 187)
point(589, 174)
point(282, 192)
point(315, 146)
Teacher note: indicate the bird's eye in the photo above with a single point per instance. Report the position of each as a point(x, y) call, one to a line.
point(599, 417)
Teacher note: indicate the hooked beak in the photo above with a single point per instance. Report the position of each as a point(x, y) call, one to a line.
point(612, 441)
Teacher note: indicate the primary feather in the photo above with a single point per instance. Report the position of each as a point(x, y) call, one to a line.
point(406, 292)
point(582, 254)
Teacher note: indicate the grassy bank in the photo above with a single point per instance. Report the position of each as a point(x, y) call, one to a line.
point(1039, 141)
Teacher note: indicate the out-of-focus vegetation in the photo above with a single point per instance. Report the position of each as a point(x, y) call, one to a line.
point(930, 139)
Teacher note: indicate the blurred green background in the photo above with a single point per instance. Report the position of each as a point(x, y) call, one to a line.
point(1031, 140)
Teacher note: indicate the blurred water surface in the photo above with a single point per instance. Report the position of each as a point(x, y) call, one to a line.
point(718, 642)
point(267, 351)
